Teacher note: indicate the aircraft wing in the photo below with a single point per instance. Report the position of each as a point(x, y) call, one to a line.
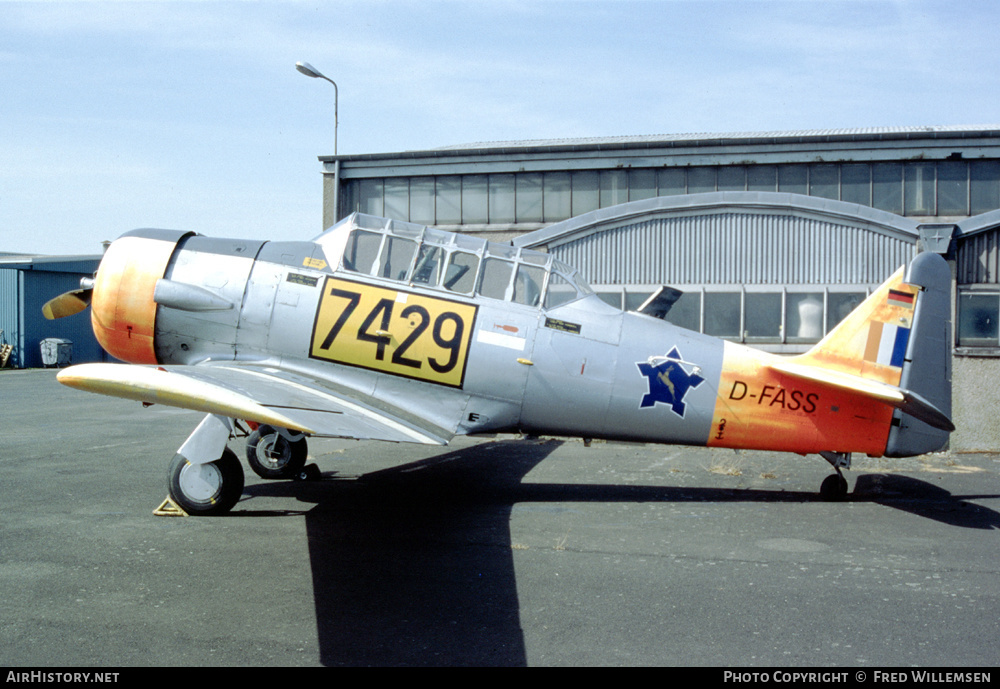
point(905, 400)
point(260, 393)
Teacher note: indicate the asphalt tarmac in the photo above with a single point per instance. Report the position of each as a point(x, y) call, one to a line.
point(491, 551)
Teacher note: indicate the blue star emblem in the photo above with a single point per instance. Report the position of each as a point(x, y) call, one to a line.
point(668, 382)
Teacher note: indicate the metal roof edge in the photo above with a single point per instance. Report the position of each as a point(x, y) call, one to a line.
point(51, 263)
point(704, 139)
point(978, 223)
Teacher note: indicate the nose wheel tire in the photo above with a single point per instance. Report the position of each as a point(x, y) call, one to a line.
point(206, 489)
point(272, 456)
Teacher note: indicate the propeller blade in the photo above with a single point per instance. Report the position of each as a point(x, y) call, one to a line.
point(67, 303)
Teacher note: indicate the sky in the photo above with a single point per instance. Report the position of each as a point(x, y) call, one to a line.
point(191, 115)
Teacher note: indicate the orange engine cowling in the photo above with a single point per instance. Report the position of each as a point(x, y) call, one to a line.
point(123, 313)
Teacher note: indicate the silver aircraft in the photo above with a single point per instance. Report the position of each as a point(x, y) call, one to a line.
point(386, 330)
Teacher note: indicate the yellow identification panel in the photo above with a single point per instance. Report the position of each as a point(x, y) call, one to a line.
point(403, 333)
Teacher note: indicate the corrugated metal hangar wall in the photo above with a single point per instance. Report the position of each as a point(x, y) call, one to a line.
point(732, 237)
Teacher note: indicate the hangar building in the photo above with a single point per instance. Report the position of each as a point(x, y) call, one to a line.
point(772, 236)
point(26, 283)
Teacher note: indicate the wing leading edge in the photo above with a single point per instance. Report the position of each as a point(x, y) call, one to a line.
point(255, 393)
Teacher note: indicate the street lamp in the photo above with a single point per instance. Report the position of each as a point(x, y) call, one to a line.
point(311, 71)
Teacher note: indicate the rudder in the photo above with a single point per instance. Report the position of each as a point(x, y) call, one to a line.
point(927, 364)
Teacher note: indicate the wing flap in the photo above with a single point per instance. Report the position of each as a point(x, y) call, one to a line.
point(904, 400)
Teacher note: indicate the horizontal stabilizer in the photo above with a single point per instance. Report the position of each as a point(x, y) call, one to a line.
point(905, 400)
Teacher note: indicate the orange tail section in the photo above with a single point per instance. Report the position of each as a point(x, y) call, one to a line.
point(878, 383)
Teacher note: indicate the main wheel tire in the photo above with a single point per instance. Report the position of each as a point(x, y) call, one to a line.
point(833, 488)
point(272, 456)
point(206, 489)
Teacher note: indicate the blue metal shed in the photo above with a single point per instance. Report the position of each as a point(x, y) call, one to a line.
point(26, 283)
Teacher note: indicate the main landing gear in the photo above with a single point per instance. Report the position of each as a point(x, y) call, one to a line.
point(834, 487)
point(208, 488)
point(206, 477)
point(273, 454)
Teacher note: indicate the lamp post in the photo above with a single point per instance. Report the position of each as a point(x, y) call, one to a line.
point(310, 71)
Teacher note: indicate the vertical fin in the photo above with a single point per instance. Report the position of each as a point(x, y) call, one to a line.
point(901, 336)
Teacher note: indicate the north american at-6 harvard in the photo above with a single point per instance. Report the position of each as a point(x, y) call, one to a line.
point(380, 329)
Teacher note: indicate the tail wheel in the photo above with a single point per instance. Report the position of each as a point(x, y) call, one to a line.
point(272, 456)
point(206, 489)
point(833, 488)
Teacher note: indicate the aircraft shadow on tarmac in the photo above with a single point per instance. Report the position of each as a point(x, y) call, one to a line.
point(413, 565)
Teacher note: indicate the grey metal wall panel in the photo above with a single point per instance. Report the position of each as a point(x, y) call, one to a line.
point(736, 248)
point(979, 258)
point(10, 309)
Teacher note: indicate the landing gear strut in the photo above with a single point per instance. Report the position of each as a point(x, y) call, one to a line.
point(834, 487)
point(205, 476)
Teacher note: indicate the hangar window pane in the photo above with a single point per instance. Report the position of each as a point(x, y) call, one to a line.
point(762, 178)
point(641, 184)
point(686, 312)
point(732, 178)
point(722, 314)
point(448, 200)
point(978, 316)
point(612, 298)
point(397, 199)
point(461, 273)
point(887, 187)
point(792, 179)
point(953, 188)
point(671, 182)
point(701, 179)
point(556, 199)
point(918, 188)
point(370, 198)
point(528, 193)
point(348, 198)
point(839, 304)
point(586, 192)
point(762, 321)
point(475, 200)
point(422, 200)
point(501, 198)
point(636, 298)
point(984, 188)
point(804, 317)
point(824, 181)
point(495, 278)
point(614, 187)
point(856, 184)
